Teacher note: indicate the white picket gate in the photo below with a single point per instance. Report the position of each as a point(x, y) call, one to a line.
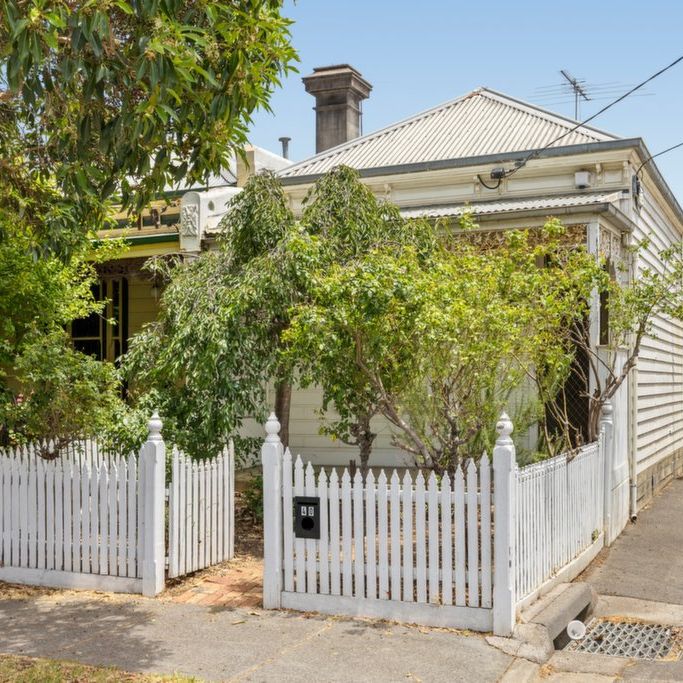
point(559, 519)
point(95, 519)
point(200, 510)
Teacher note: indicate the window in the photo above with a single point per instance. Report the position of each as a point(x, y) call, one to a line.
point(105, 335)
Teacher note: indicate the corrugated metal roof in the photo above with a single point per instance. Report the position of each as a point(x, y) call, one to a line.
point(480, 123)
point(513, 205)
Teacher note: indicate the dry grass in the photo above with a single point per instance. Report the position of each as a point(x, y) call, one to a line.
point(16, 669)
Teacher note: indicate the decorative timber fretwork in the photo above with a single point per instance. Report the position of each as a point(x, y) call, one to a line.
point(127, 267)
point(494, 238)
point(610, 245)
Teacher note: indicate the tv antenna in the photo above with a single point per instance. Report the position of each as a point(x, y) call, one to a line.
point(578, 91)
point(578, 86)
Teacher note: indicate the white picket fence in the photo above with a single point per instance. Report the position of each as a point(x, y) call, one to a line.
point(93, 519)
point(559, 518)
point(467, 552)
point(66, 516)
point(200, 510)
point(399, 548)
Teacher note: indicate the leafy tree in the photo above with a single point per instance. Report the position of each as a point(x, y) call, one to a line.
point(213, 349)
point(218, 341)
point(630, 311)
point(127, 97)
point(440, 344)
point(104, 103)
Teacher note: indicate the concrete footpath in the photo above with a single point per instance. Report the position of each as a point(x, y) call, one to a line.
point(639, 578)
point(646, 561)
point(218, 644)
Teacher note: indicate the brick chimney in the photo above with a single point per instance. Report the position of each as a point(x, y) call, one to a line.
point(338, 92)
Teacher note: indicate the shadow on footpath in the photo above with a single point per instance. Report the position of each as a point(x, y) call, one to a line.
point(105, 634)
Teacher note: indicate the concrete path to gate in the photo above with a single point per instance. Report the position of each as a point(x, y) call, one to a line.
point(646, 561)
point(218, 644)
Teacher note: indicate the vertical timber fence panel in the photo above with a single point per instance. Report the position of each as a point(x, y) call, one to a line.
point(395, 547)
point(560, 508)
point(69, 522)
point(200, 511)
point(93, 518)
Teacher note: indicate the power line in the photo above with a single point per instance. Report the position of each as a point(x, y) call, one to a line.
point(536, 153)
point(659, 154)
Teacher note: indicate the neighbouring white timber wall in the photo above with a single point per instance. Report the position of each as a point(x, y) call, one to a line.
point(305, 437)
point(659, 421)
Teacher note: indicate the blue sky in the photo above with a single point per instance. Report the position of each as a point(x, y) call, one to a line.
point(419, 54)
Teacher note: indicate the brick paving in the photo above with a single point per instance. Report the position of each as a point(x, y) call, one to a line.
point(238, 585)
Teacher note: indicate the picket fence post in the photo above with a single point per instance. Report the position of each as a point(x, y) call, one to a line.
point(504, 483)
point(607, 438)
point(152, 501)
point(271, 458)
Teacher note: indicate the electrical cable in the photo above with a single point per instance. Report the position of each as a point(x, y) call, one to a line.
point(652, 156)
point(489, 187)
point(536, 153)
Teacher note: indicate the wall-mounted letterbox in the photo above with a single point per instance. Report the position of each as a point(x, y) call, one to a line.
point(306, 517)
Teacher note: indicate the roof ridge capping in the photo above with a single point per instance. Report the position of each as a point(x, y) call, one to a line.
point(343, 153)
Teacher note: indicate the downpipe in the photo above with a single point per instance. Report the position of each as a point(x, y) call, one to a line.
point(633, 501)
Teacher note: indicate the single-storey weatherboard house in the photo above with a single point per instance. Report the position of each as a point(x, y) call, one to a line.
point(438, 164)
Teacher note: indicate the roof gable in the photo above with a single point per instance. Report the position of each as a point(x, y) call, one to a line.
point(483, 122)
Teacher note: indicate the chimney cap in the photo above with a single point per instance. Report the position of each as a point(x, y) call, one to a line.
point(337, 77)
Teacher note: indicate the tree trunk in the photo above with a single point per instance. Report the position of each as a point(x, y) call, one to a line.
point(283, 402)
point(365, 438)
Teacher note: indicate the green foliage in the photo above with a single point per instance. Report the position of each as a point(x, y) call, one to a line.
point(64, 394)
point(129, 97)
point(213, 348)
point(100, 103)
point(218, 341)
point(632, 305)
point(438, 344)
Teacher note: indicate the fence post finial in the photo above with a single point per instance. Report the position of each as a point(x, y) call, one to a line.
point(153, 502)
point(272, 429)
point(154, 426)
point(504, 427)
point(271, 459)
point(504, 484)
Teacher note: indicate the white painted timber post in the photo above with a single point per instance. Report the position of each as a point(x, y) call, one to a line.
point(271, 458)
point(504, 484)
point(607, 436)
point(153, 466)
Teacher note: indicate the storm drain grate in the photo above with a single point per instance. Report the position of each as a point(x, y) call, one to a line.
point(620, 639)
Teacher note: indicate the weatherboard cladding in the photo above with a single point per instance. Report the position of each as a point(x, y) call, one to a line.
point(480, 123)
point(549, 203)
